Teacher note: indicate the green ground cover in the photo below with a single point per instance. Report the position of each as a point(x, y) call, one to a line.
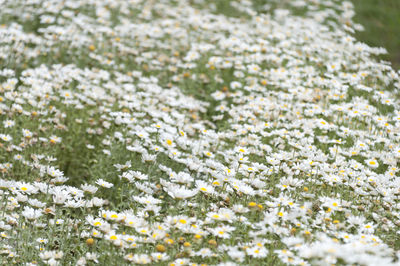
point(381, 20)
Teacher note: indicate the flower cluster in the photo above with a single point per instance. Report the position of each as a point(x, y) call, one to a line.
point(183, 133)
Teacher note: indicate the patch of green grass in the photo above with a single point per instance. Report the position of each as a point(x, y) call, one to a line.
point(381, 20)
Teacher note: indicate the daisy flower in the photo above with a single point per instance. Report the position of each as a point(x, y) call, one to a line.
point(372, 163)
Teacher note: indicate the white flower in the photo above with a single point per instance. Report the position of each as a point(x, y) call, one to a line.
point(373, 163)
point(36, 203)
point(204, 253)
point(81, 261)
point(31, 214)
point(90, 147)
point(235, 85)
point(236, 254)
point(42, 240)
point(104, 183)
point(27, 188)
point(181, 193)
point(89, 188)
point(218, 95)
point(92, 256)
point(257, 251)
point(26, 133)
point(6, 138)
point(8, 123)
point(204, 187)
point(55, 139)
point(222, 231)
point(53, 172)
point(181, 177)
point(60, 196)
point(139, 258)
point(157, 256)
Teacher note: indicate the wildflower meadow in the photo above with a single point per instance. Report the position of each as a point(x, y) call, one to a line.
point(195, 132)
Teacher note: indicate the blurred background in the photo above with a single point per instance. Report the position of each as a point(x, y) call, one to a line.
point(381, 20)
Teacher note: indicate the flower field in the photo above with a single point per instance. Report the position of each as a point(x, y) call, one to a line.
point(195, 132)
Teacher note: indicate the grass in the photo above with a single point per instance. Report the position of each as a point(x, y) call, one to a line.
point(381, 20)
